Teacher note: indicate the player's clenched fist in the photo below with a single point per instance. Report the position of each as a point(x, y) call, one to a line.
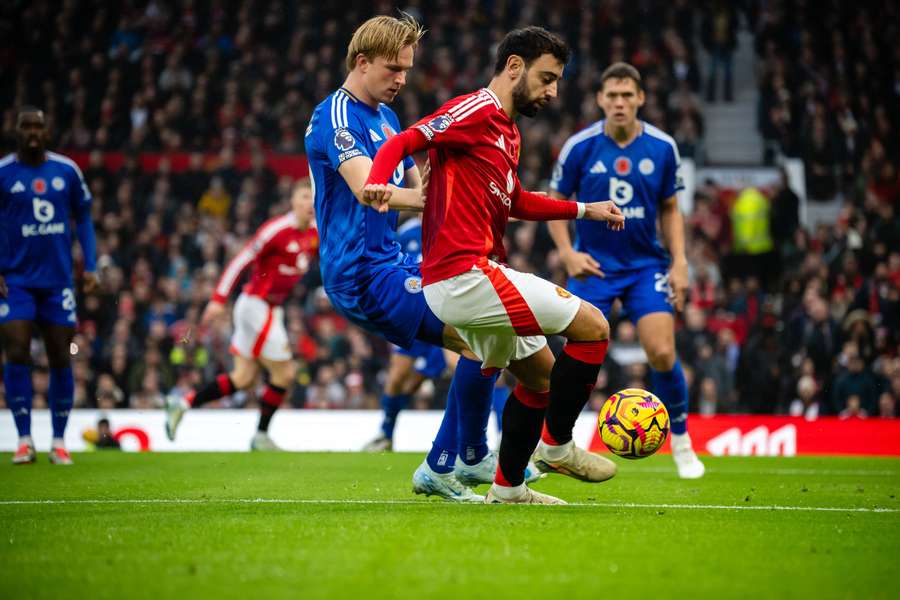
point(605, 211)
point(377, 196)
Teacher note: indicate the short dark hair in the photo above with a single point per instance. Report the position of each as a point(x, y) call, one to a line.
point(621, 70)
point(28, 109)
point(531, 43)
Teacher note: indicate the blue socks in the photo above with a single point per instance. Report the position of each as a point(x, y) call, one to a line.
point(442, 456)
point(17, 380)
point(60, 397)
point(671, 388)
point(464, 427)
point(474, 392)
point(392, 406)
point(501, 393)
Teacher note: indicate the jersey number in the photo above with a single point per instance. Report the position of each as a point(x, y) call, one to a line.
point(68, 299)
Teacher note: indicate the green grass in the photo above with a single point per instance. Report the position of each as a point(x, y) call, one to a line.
point(631, 537)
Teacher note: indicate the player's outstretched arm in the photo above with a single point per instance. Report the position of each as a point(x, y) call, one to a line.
point(356, 170)
point(578, 264)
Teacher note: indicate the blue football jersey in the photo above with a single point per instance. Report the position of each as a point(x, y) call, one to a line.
point(409, 235)
point(37, 204)
point(354, 239)
point(638, 178)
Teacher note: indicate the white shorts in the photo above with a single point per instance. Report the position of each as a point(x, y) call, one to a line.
point(259, 330)
point(500, 313)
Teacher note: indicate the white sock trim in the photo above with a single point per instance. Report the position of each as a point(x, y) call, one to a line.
point(554, 453)
point(26, 439)
point(57, 443)
point(508, 493)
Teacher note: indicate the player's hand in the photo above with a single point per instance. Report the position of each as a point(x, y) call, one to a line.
point(580, 264)
point(605, 211)
point(3, 289)
point(377, 196)
point(213, 312)
point(91, 282)
point(678, 283)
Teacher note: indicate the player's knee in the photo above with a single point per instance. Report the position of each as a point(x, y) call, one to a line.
point(598, 324)
point(242, 379)
point(284, 374)
point(661, 358)
point(20, 356)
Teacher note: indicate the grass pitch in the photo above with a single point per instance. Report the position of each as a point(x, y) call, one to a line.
point(347, 526)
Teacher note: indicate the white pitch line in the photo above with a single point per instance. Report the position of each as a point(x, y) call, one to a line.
point(849, 472)
point(773, 507)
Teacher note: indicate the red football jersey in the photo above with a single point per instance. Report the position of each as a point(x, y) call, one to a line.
point(280, 253)
point(474, 153)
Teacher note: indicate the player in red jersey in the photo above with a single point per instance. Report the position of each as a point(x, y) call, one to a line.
point(280, 253)
point(473, 147)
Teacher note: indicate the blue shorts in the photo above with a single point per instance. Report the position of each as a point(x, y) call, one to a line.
point(427, 359)
point(55, 306)
point(642, 291)
point(390, 303)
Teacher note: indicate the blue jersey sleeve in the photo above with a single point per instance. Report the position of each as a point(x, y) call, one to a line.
point(81, 199)
point(567, 171)
point(341, 138)
point(672, 181)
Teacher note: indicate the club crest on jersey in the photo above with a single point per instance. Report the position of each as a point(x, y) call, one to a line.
point(39, 186)
point(58, 183)
point(440, 123)
point(646, 166)
point(343, 139)
point(413, 285)
point(622, 166)
point(563, 293)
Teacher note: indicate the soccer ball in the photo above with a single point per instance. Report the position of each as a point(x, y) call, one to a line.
point(633, 423)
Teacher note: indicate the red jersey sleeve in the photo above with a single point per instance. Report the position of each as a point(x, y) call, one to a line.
point(459, 122)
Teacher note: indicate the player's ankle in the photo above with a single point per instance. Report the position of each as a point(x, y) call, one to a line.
point(508, 492)
point(57, 442)
point(26, 439)
point(553, 452)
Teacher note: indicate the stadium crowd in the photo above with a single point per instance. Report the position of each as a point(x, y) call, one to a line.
point(221, 80)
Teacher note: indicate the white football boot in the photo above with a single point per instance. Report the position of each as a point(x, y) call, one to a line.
point(60, 456)
point(569, 459)
point(176, 406)
point(25, 454)
point(689, 466)
point(484, 471)
point(520, 494)
point(379, 444)
point(263, 443)
point(445, 485)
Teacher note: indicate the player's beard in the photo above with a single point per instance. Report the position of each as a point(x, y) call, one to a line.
point(523, 104)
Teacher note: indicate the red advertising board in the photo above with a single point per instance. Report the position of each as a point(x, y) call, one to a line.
point(746, 435)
